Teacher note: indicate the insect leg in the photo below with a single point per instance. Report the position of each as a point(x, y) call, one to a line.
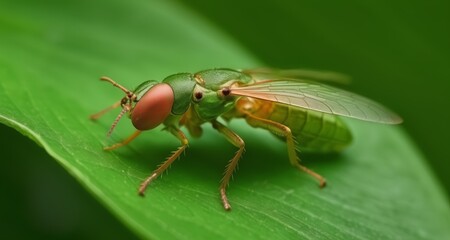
point(282, 130)
point(99, 114)
point(237, 141)
point(124, 142)
point(184, 143)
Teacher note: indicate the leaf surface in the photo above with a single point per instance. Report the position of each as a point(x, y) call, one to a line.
point(52, 54)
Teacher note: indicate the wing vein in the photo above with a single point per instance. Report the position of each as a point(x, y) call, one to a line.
point(319, 97)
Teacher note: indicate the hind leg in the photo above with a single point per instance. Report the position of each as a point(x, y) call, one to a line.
point(282, 130)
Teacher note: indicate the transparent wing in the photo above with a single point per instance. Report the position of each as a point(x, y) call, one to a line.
point(297, 75)
point(318, 97)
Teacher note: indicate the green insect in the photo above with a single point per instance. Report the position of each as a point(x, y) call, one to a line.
point(296, 105)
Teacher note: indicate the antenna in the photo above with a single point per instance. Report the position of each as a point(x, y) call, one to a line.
point(107, 79)
point(125, 103)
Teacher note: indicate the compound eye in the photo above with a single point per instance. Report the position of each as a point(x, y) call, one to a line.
point(153, 108)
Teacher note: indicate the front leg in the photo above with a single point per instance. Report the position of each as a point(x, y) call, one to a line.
point(184, 144)
point(124, 142)
point(237, 141)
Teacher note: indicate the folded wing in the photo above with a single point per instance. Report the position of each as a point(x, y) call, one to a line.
point(319, 97)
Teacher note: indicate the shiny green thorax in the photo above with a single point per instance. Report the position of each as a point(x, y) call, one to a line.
point(182, 85)
point(215, 79)
point(210, 84)
point(202, 90)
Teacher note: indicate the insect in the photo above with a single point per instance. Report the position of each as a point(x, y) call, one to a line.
point(296, 105)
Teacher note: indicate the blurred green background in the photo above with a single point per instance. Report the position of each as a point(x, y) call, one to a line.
point(400, 44)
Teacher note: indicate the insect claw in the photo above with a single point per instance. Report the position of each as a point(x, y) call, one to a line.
point(109, 148)
point(145, 183)
point(112, 147)
point(322, 183)
point(223, 197)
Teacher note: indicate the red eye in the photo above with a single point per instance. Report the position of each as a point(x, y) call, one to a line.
point(153, 108)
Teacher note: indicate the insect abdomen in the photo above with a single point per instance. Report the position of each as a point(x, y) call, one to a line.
point(314, 131)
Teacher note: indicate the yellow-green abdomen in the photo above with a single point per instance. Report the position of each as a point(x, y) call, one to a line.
point(314, 131)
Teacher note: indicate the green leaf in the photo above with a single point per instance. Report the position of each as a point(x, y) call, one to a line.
point(52, 54)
